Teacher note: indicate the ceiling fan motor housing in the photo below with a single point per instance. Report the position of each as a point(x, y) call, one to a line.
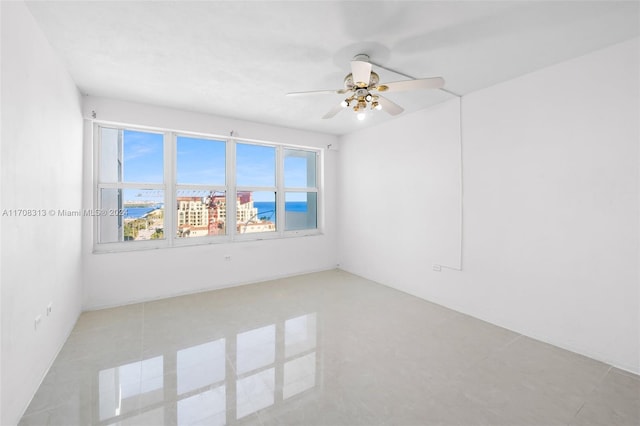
point(361, 93)
point(362, 89)
point(374, 79)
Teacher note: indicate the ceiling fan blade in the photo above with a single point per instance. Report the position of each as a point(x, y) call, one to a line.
point(319, 92)
point(333, 111)
point(361, 73)
point(421, 83)
point(389, 106)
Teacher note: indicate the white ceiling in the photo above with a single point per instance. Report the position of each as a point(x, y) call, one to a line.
point(239, 59)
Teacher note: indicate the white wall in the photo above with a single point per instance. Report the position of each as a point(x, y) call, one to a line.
point(41, 169)
point(550, 164)
point(1, 204)
point(400, 195)
point(119, 278)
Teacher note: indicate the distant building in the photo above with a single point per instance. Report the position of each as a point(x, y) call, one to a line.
point(201, 216)
point(217, 205)
point(247, 228)
point(193, 217)
point(245, 212)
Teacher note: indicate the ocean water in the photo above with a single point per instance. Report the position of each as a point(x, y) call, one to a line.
point(268, 208)
point(265, 209)
point(137, 212)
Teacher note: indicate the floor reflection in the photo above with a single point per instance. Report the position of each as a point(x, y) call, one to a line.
point(217, 382)
point(208, 407)
point(256, 348)
point(201, 366)
point(123, 388)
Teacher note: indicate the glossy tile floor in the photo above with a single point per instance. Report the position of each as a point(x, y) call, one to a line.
point(322, 349)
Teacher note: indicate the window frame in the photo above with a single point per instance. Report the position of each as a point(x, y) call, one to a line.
point(307, 190)
point(170, 186)
point(98, 186)
point(175, 186)
point(258, 235)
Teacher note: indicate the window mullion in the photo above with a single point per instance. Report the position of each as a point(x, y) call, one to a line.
point(231, 189)
point(170, 155)
point(301, 189)
point(97, 155)
point(320, 194)
point(257, 188)
point(280, 202)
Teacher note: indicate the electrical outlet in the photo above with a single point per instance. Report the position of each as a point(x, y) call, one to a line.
point(227, 258)
point(37, 322)
point(437, 268)
point(49, 308)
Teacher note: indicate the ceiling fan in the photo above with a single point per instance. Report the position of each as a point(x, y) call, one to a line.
point(363, 89)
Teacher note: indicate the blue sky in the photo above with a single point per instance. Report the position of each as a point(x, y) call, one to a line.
point(202, 161)
point(143, 157)
point(255, 165)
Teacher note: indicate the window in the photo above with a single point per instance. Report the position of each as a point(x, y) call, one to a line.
point(131, 192)
point(219, 189)
point(301, 193)
point(256, 188)
point(200, 187)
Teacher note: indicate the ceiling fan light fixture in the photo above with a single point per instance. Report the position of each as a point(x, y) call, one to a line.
point(362, 89)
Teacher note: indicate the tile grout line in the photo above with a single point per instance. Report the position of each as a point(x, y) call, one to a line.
point(510, 342)
point(141, 357)
point(142, 330)
point(491, 353)
point(591, 392)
